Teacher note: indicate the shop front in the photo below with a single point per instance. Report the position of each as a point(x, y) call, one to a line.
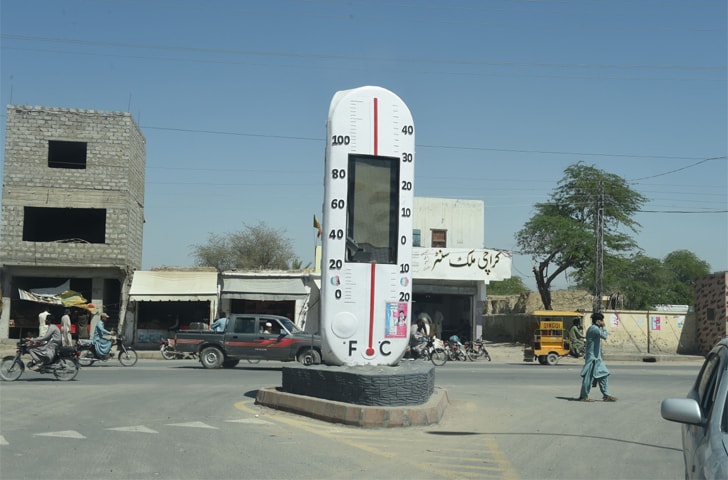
point(30, 291)
point(278, 293)
point(449, 287)
point(165, 301)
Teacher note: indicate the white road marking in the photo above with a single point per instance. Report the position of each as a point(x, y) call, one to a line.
point(137, 428)
point(252, 421)
point(144, 429)
point(63, 434)
point(192, 425)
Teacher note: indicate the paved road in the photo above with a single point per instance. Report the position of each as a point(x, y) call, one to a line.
point(175, 420)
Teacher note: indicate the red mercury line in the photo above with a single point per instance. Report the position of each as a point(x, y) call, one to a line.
point(372, 283)
point(372, 279)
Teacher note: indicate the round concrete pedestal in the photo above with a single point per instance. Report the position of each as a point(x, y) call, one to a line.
point(365, 396)
point(410, 383)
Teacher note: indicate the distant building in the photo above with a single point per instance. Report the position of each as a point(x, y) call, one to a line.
point(72, 209)
point(451, 268)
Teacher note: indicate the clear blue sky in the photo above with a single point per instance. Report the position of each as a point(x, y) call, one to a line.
point(232, 97)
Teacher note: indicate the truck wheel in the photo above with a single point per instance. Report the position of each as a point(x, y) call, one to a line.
point(230, 363)
point(211, 357)
point(309, 357)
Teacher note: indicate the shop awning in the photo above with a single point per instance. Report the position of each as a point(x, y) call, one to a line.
point(173, 286)
point(262, 288)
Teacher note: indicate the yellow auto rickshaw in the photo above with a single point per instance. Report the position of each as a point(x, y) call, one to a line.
point(550, 336)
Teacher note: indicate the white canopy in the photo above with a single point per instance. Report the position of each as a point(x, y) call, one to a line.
point(158, 286)
point(264, 288)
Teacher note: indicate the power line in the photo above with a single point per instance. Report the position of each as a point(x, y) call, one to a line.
point(677, 169)
point(683, 211)
point(448, 147)
point(357, 58)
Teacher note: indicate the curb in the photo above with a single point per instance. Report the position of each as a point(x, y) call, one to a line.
point(650, 358)
point(357, 415)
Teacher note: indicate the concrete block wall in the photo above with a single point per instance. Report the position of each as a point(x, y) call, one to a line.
point(711, 310)
point(113, 180)
point(637, 332)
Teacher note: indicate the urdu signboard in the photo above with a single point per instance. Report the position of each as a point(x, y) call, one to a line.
point(461, 264)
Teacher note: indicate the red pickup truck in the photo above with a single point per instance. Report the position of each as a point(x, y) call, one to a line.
point(247, 337)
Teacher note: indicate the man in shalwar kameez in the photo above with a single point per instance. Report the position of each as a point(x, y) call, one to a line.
point(46, 345)
point(595, 371)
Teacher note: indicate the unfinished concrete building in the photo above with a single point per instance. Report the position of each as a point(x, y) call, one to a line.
point(72, 209)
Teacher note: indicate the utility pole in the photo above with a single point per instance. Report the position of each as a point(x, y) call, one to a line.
point(599, 250)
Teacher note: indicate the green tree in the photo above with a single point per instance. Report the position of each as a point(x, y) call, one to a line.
point(509, 286)
point(560, 235)
point(641, 279)
point(645, 282)
point(683, 268)
point(256, 247)
point(215, 253)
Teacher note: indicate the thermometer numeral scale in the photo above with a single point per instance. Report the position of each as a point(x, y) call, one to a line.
point(366, 279)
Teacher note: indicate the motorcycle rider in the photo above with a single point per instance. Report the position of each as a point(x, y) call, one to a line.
point(46, 351)
point(102, 345)
point(418, 338)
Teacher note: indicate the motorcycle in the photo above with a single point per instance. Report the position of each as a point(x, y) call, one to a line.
point(88, 355)
point(476, 349)
point(432, 350)
point(166, 348)
point(64, 365)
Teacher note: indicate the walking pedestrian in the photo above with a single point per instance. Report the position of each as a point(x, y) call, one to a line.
point(595, 371)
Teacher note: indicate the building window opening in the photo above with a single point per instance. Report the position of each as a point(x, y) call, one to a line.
point(439, 239)
point(63, 154)
point(71, 225)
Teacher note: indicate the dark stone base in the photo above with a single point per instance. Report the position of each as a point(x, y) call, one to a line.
point(410, 383)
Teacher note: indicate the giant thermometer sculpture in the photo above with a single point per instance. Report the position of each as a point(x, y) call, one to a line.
point(366, 280)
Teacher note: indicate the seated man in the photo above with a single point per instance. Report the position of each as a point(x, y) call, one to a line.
point(47, 346)
point(219, 324)
point(576, 339)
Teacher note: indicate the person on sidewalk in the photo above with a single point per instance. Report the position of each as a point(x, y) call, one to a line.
point(42, 325)
point(66, 339)
point(595, 371)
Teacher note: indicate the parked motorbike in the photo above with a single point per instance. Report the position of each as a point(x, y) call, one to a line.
point(476, 349)
point(166, 348)
point(64, 365)
point(88, 355)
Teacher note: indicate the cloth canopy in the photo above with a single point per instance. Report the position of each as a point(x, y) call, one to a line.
point(264, 288)
point(159, 286)
point(69, 298)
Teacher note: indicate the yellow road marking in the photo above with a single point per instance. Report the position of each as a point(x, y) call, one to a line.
point(497, 466)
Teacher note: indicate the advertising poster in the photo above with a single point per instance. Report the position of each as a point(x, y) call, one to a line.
point(655, 322)
point(396, 321)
